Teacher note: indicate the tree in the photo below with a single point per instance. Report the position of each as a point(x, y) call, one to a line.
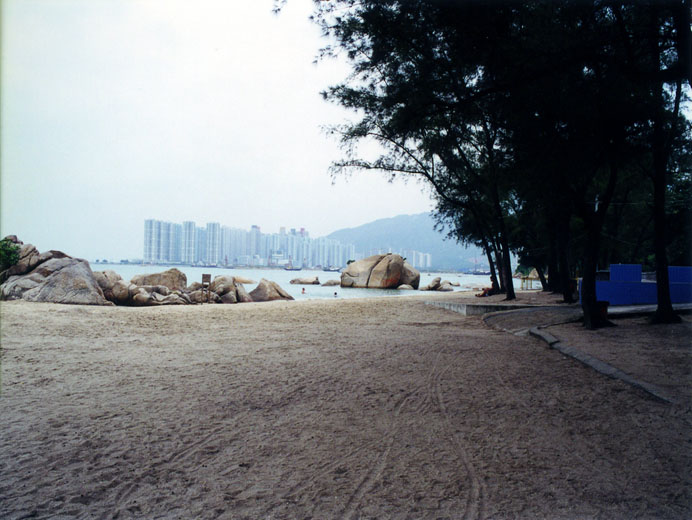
point(525, 116)
point(9, 254)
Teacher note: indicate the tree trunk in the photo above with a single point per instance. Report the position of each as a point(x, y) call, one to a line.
point(541, 277)
point(664, 310)
point(593, 317)
point(507, 270)
point(563, 247)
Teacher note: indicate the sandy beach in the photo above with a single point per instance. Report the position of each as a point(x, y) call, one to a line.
point(363, 408)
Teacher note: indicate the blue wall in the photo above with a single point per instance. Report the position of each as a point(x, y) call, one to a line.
point(626, 288)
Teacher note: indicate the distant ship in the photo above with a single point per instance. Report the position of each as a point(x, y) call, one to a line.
point(291, 268)
point(332, 269)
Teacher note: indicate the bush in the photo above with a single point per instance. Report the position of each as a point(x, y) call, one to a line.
point(9, 254)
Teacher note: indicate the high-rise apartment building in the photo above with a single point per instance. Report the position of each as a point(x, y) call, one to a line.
point(189, 241)
point(214, 244)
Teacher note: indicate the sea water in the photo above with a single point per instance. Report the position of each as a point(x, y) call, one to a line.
point(283, 278)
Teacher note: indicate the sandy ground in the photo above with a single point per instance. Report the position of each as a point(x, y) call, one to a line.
point(377, 408)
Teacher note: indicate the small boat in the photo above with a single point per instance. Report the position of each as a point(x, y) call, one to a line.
point(332, 269)
point(291, 268)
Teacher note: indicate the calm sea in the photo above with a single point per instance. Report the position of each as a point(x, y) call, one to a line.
point(283, 278)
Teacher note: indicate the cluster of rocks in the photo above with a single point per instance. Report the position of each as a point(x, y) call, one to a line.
point(314, 280)
point(438, 285)
point(56, 277)
point(388, 271)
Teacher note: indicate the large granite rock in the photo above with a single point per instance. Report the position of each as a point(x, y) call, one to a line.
point(380, 272)
point(53, 277)
point(357, 273)
point(386, 273)
point(204, 296)
point(107, 280)
point(222, 285)
point(331, 283)
point(267, 290)
point(410, 276)
point(433, 285)
point(306, 281)
point(173, 279)
point(116, 290)
point(241, 294)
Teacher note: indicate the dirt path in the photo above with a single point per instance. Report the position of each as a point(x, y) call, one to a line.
point(340, 409)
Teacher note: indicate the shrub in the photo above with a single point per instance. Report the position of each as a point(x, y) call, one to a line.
point(9, 254)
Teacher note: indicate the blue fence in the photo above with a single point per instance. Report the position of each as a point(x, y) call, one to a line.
point(626, 287)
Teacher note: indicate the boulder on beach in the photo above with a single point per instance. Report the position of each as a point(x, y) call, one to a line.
point(386, 273)
point(410, 276)
point(380, 272)
point(240, 279)
point(241, 294)
point(204, 296)
point(314, 280)
point(53, 277)
point(331, 283)
point(357, 273)
point(432, 286)
point(222, 285)
point(107, 280)
point(267, 290)
point(405, 287)
point(172, 278)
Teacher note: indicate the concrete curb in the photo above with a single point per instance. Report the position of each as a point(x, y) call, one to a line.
point(599, 366)
point(477, 309)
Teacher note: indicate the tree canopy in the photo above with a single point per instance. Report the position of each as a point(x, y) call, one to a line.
point(553, 130)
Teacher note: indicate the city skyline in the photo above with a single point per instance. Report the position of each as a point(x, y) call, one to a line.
point(98, 135)
point(215, 244)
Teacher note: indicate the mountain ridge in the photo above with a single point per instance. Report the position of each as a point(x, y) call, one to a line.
point(414, 232)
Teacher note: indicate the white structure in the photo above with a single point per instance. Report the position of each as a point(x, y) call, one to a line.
point(214, 244)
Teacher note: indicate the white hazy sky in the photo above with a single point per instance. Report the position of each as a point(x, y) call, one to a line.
point(115, 111)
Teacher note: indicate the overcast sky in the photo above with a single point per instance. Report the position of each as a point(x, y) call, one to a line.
point(115, 111)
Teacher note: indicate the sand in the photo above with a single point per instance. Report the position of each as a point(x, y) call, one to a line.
point(373, 408)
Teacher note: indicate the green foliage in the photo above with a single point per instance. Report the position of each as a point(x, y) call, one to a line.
point(9, 254)
point(541, 127)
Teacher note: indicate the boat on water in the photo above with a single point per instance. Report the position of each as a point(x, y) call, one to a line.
point(291, 268)
point(332, 269)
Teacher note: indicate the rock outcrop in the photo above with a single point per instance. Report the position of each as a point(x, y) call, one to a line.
point(116, 290)
point(267, 290)
point(306, 281)
point(331, 283)
point(357, 273)
point(53, 277)
point(380, 272)
point(410, 276)
point(432, 286)
point(173, 279)
point(438, 285)
point(56, 277)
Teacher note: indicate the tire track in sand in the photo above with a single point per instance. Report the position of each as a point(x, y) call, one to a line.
point(475, 497)
point(378, 466)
